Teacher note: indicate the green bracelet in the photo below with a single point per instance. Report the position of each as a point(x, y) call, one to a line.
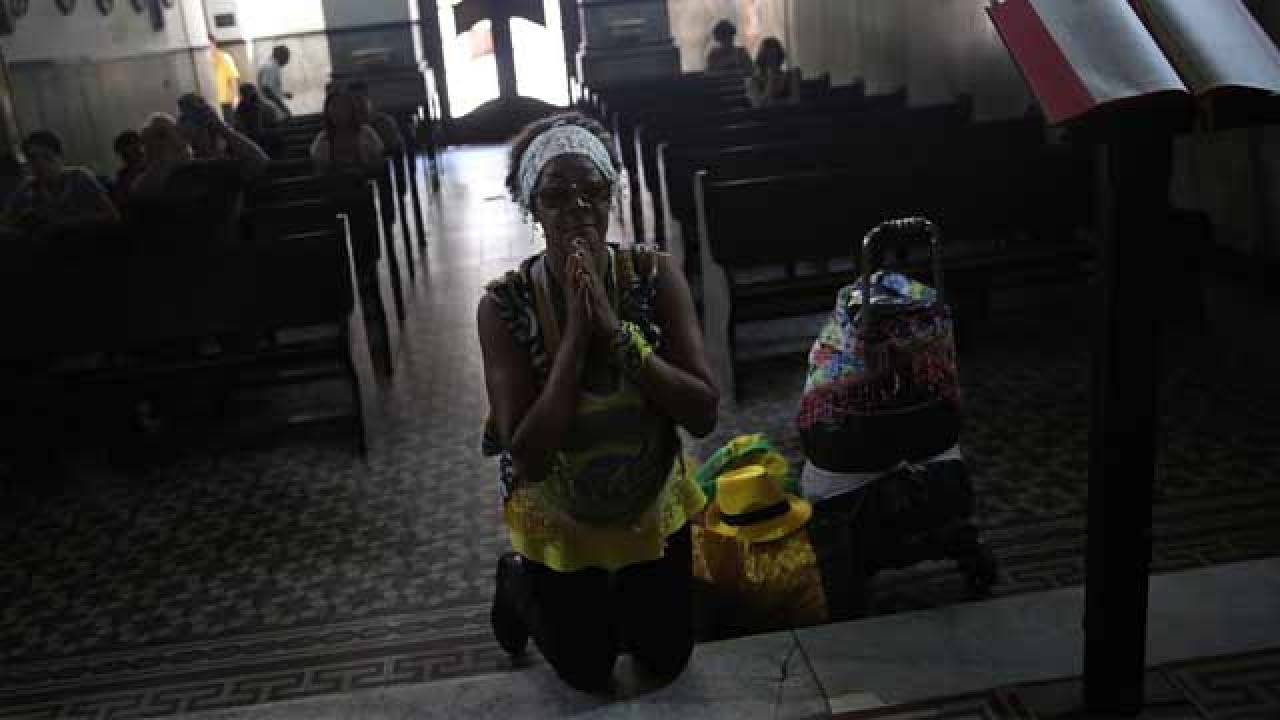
point(631, 351)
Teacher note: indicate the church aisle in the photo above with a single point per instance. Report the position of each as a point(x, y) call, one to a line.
point(256, 575)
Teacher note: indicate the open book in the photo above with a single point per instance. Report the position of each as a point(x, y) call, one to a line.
point(1080, 55)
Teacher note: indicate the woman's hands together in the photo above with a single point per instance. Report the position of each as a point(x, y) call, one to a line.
point(588, 299)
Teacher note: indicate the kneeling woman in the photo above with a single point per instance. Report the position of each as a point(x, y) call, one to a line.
point(592, 358)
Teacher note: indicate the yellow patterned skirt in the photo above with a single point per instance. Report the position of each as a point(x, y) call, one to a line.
point(547, 535)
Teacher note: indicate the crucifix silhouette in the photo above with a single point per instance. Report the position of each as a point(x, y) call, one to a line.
point(499, 14)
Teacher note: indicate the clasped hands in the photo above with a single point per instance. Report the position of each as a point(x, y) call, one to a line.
point(591, 315)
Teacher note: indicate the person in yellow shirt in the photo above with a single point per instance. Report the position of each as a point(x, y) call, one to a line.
point(226, 79)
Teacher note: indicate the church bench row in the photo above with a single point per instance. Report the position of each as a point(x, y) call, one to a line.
point(822, 112)
point(1015, 211)
point(798, 142)
point(639, 131)
point(112, 328)
point(311, 199)
point(691, 93)
point(288, 279)
point(399, 185)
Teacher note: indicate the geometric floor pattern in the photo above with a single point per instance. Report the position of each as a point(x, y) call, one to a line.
point(253, 575)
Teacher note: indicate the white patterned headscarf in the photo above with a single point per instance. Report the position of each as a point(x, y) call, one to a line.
point(561, 139)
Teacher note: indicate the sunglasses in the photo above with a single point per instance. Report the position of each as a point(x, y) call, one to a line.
point(564, 197)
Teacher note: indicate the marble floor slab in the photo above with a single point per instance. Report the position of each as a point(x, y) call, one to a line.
point(967, 648)
point(765, 676)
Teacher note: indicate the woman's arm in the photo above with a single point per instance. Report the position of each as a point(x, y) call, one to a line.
point(677, 380)
point(531, 424)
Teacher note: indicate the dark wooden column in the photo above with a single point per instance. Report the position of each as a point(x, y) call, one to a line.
point(1126, 375)
point(433, 48)
point(504, 51)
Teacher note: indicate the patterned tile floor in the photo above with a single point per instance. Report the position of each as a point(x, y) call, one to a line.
point(223, 579)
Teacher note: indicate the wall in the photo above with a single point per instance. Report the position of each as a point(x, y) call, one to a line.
point(940, 48)
point(325, 34)
point(937, 48)
point(44, 33)
point(89, 77)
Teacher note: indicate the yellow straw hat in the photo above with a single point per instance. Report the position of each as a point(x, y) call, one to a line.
point(750, 505)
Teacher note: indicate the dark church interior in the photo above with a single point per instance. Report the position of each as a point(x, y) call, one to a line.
point(857, 359)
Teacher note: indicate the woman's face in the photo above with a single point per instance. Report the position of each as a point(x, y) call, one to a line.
point(46, 165)
point(572, 202)
point(132, 153)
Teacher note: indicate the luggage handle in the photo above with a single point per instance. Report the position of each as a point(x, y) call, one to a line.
point(900, 232)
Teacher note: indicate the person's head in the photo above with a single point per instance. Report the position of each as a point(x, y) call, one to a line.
point(44, 152)
point(196, 120)
point(724, 32)
point(128, 146)
point(341, 113)
point(770, 56)
point(213, 44)
point(163, 141)
point(281, 55)
point(563, 172)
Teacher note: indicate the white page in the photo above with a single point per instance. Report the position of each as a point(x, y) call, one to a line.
point(1109, 47)
point(1216, 43)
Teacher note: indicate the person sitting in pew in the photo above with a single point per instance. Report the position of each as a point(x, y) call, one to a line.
point(726, 59)
point(133, 160)
point(347, 144)
point(183, 195)
point(771, 84)
point(209, 136)
point(259, 120)
point(592, 358)
point(56, 197)
point(382, 123)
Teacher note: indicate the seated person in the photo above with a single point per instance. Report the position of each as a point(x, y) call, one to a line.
point(382, 123)
point(725, 58)
point(185, 195)
point(771, 84)
point(346, 145)
point(133, 160)
point(259, 120)
point(210, 138)
point(56, 197)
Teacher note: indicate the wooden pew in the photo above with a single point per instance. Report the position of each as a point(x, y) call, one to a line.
point(828, 115)
point(802, 143)
point(121, 326)
point(353, 198)
point(1005, 227)
point(693, 93)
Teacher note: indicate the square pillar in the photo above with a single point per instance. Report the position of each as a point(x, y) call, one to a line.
point(626, 41)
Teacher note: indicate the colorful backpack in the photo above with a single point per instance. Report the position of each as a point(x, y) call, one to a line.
point(883, 386)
